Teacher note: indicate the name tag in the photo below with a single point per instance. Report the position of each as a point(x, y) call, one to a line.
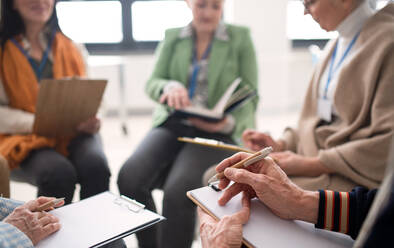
point(324, 109)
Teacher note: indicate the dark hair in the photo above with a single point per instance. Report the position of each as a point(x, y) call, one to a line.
point(11, 23)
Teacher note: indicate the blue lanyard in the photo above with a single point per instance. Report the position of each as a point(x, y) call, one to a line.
point(333, 70)
point(37, 69)
point(196, 69)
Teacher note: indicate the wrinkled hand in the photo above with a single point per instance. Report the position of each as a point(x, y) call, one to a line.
point(90, 126)
point(210, 127)
point(177, 97)
point(266, 180)
point(256, 141)
point(35, 225)
point(297, 165)
point(228, 231)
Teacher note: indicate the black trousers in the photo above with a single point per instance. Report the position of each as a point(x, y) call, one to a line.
point(56, 175)
point(161, 161)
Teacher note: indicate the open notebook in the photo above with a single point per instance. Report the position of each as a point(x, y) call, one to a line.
point(230, 100)
point(264, 229)
point(98, 220)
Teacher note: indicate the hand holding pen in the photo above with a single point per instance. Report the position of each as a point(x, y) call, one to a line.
point(31, 218)
point(265, 180)
point(248, 160)
point(50, 205)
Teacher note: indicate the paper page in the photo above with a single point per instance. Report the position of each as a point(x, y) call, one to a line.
point(202, 111)
point(94, 220)
point(264, 229)
point(221, 104)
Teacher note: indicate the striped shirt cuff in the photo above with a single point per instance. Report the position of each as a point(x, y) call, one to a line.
point(334, 211)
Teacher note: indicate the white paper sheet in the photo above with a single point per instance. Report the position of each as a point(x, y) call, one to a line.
point(94, 220)
point(264, 229)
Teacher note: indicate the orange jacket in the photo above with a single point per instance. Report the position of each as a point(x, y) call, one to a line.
point(21, 86)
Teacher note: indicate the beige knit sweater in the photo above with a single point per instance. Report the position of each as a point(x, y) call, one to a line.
point(356, 144)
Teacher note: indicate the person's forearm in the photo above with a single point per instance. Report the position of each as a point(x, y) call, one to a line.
point(281, 145)
point(313, 167)
point(308, 207)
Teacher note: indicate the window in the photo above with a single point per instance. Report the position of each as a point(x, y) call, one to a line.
point(118, 26)
point(103, 24)
point(150, 19)
point(303, 31)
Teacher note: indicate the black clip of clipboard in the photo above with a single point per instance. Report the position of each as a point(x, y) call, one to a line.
point(129, 203)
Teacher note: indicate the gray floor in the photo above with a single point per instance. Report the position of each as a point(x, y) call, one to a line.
point(118, 147)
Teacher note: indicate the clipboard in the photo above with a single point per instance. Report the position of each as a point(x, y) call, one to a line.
point(62, 104)
point(264, 229)
point(99, 220)
point(214, 143)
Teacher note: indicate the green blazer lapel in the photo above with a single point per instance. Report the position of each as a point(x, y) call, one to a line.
point(183, 55)
point(217, 60)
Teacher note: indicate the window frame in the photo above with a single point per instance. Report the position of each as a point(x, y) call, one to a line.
point(128, 44)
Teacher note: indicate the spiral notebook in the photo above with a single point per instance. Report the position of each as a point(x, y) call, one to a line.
point(99, 220)
point(265, 229)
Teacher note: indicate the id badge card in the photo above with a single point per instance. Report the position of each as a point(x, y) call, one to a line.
point(324, 109)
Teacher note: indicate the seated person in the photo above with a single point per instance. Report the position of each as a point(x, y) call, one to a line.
point(266, 181)
point(34, 48)
point(209, 55)
point(347, 120)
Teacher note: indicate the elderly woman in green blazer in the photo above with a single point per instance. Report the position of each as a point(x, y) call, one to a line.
point(195, 65)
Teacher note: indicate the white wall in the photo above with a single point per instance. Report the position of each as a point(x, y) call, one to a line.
point(283, 72)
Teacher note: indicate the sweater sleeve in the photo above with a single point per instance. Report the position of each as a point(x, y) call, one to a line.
point(17, 121)
point(10, 236)
point(344, 212)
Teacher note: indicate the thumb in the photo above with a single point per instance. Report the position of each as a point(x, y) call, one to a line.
point(240, 176)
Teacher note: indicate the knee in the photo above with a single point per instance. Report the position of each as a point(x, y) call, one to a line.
point(129, 183)
point(60, 174)
point(175, 195)
point(94, 167)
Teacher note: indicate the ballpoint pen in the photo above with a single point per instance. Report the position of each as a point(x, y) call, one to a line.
point(48, 205)
point(244, 163)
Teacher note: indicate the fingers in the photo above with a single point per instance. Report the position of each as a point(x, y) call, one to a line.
point(49, 229)
point(46, 219)
point(242, 216)
point(177, 98)
point(163, 98)
point(229, 193)
point(223, 183)
point(33, 205)
point(204, 217)
point(231, 161)
point(241, 176)
point(44, 199)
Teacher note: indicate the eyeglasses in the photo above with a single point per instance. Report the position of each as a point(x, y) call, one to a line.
point(308, 3)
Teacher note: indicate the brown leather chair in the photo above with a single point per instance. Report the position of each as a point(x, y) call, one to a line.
point(4, 178)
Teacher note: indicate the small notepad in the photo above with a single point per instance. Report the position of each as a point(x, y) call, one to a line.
point(98, 220)
point(265, 229)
